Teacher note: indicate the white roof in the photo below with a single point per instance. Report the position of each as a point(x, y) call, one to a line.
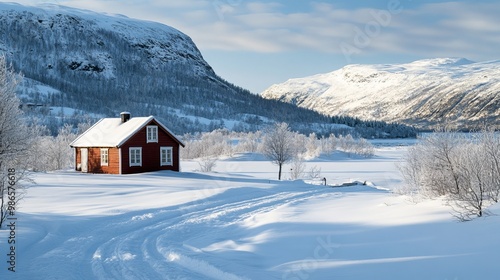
point(111, 132)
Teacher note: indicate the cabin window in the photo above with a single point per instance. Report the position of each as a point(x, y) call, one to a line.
point(104, 157)
point(152, 133)
point(135, 156)
point(166, 156)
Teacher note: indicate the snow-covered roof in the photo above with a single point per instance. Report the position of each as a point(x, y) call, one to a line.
point(111, 132)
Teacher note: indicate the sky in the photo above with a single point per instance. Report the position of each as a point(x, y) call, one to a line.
point(255, 44)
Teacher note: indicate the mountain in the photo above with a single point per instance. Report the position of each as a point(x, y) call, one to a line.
point(79, 64)
point(424, 93)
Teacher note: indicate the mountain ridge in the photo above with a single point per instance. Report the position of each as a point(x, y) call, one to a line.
point(426, 93)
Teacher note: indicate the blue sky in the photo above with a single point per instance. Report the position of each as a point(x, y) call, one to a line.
point(255, 44)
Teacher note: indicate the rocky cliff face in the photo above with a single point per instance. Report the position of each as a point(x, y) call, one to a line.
point(425, 93)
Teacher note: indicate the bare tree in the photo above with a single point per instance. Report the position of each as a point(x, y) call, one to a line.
point(15, 141)
point(490, 144)
point(444, 151)
point(278, 145)
point(471, 198)
point(464, 170)
point(207, 164)
point(297, 168)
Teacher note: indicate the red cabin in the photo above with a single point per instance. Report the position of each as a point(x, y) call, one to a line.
point(127, 145)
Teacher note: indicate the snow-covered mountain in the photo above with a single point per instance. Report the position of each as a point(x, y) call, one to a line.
point(86, 41)
point(425, 93)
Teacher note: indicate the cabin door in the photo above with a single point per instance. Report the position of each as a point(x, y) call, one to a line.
point(84, 160)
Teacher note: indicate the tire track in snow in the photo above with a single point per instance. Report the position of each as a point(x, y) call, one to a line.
point(162, 244)
point(152, 244)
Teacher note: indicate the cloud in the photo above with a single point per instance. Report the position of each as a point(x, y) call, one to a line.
point(449, 29)
point(440, 29)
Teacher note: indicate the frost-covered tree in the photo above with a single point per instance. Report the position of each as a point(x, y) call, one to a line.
point(207, 145)
point(15, 141)
point(490, 143)
point(278, 145)
point(431, 166)
point(462, 169)
point(60, 153)
point(471, 199)
point(364, 148)
point(313, 146)
point(297, 168)
point(249, 142)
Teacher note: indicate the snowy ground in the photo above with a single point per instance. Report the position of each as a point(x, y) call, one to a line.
point(240, 223)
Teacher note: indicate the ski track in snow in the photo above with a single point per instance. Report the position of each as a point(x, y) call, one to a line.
point(161, 237)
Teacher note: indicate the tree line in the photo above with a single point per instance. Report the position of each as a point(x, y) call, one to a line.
point(277, 142)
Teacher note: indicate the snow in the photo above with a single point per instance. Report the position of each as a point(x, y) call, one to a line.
point(105, 20)
point(63, 111)
point(238, 222)
point(111, 132)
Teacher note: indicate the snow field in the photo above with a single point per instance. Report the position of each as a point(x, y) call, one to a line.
point(238, 222)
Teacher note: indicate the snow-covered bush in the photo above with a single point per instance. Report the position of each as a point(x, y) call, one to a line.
point(363, 148)
point(248, 142)
point(53, 153)
point(329, 145)
point(207, 164)
point(465, 169)
point(297, 168)
point(314, 172)
point(211, 144)
point(313, 147)
point(352, 146)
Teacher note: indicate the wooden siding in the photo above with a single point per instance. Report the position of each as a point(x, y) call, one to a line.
point(94, 160)
point(150, 151)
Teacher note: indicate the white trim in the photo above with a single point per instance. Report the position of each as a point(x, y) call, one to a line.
point(130, 156)
point(154, 134)
point(84, 167)
point(178, 157)
point(119, 160)
point(167, 149)
point(74, 156)
point(104, 163)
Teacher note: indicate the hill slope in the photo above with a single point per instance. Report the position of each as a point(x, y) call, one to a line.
point(423, 93)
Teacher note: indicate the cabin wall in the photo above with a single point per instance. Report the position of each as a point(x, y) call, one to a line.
point(150, 152)
point(94, 160)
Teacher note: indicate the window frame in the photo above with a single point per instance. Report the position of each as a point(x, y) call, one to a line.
point(104, 157)
point(152, 130)
point(134, 150)
point(167, 149)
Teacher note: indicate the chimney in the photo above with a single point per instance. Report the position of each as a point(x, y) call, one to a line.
point(125, 116)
